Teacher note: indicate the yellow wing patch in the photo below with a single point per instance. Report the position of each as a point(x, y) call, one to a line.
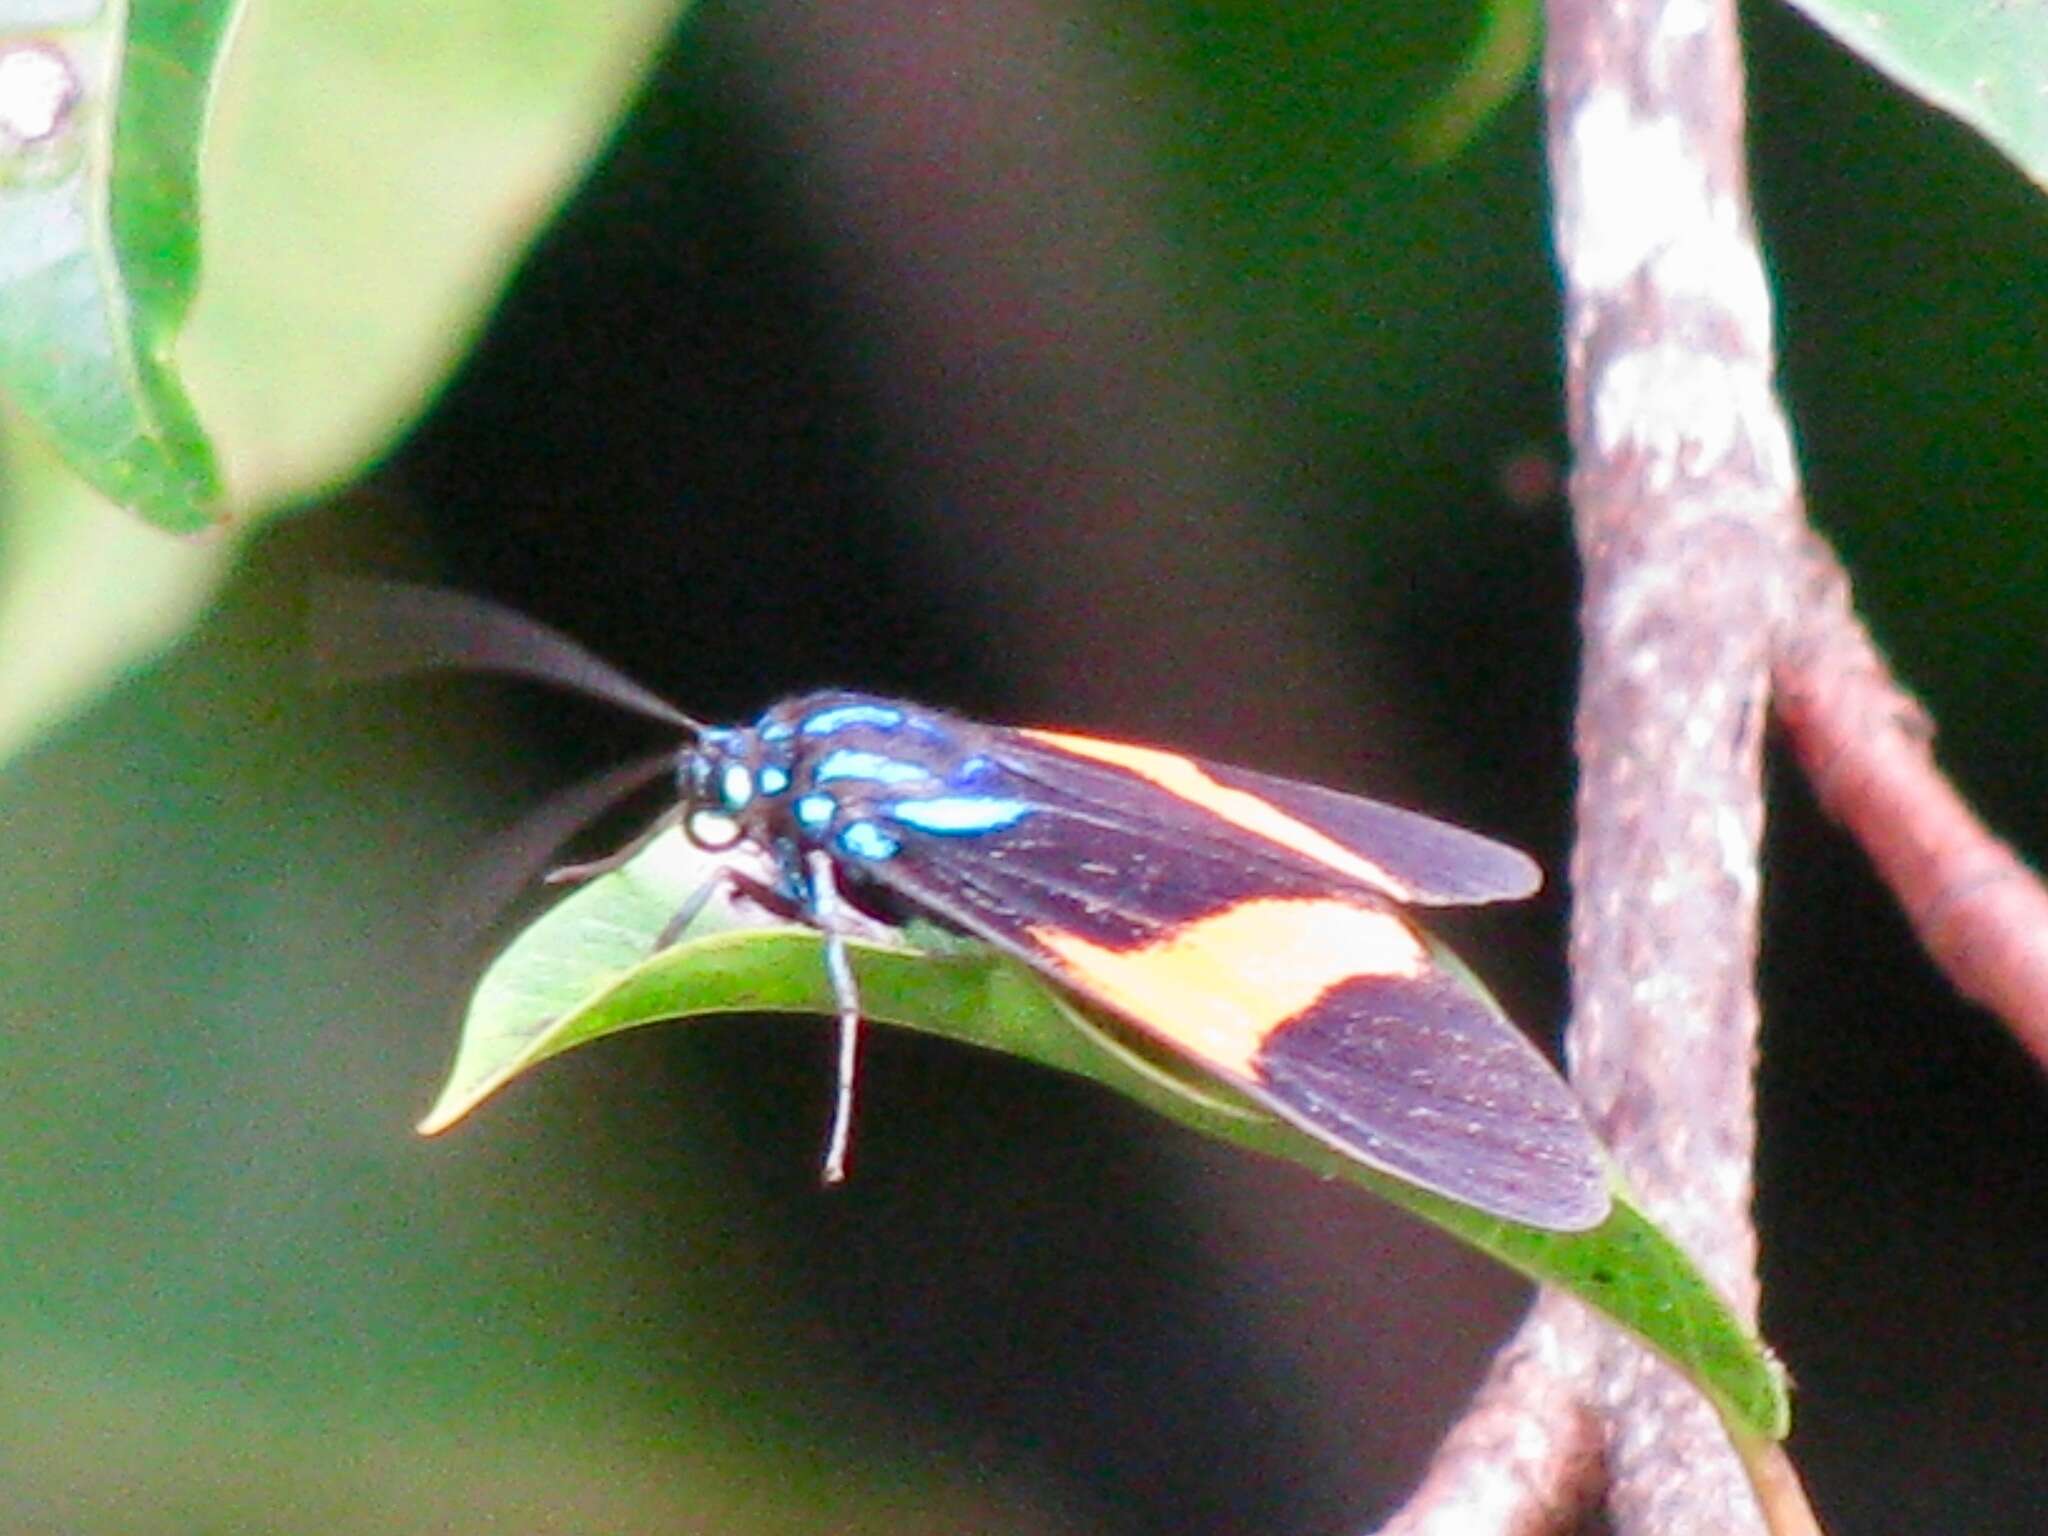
point(1220, 986)
point(1185, 780)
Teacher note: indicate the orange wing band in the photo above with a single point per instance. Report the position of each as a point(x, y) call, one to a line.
point(1219, 987)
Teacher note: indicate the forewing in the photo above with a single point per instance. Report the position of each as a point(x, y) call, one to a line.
point(1436, 863)
point(1280, 977)
point(1405, 856)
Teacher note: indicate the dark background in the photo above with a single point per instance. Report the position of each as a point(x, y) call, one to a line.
point(1113, 373)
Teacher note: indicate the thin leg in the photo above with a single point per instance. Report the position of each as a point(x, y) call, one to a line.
point(731, 879)
point(573, 874)
point(825, 905)
point(686, 914)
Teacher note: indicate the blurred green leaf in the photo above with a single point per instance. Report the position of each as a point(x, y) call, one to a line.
point(99, 245)
point(68, 622)
point(1497, 65)
point(373, 173)
point(584, 970)
point(1983, 61)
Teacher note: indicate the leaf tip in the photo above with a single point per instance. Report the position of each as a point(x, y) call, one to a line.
point(451, 1106)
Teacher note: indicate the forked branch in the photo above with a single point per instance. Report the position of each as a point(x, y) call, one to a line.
point(1704, 587)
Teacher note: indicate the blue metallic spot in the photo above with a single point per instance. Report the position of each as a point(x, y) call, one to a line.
point(977, 775)
point(845, 763)
point(778, 730)
point(735, 786)
point(815, 811)
point(826, 721)
point(960, 815)
point(865, 840)
point(774, 780)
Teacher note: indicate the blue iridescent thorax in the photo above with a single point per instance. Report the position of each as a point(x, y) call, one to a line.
point(848, 775)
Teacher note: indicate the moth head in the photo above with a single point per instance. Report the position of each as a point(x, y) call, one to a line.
point(717, 784)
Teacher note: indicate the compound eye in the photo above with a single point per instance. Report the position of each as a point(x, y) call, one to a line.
point(693, 778)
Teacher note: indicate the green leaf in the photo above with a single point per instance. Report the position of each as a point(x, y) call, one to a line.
point(67, 626)
point(585, 970)
point(1494, 68)
point(373, 172)
point(1980, 60)
point(374, 177)
point(99, 243)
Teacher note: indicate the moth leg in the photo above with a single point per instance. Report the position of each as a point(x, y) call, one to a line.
point(825, 907)
point(733, 880)
point(686, 914)
point(824, 913)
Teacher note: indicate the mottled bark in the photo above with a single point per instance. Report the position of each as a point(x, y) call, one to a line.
point(1686, 506)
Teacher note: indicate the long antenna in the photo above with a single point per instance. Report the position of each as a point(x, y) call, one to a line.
point(364, 630)
point(489, 881)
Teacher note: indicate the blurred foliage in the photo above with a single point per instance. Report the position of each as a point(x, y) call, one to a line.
point(373, 172)
point(62, 540)
point(1497, 65)
point(237, 1293)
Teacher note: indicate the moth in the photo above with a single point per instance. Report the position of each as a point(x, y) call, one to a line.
point(1255, 926)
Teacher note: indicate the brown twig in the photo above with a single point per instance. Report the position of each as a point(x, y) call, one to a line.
point(1686, 504)
point(1867, 746)
point(1704, 588)
point(1525, 1458)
